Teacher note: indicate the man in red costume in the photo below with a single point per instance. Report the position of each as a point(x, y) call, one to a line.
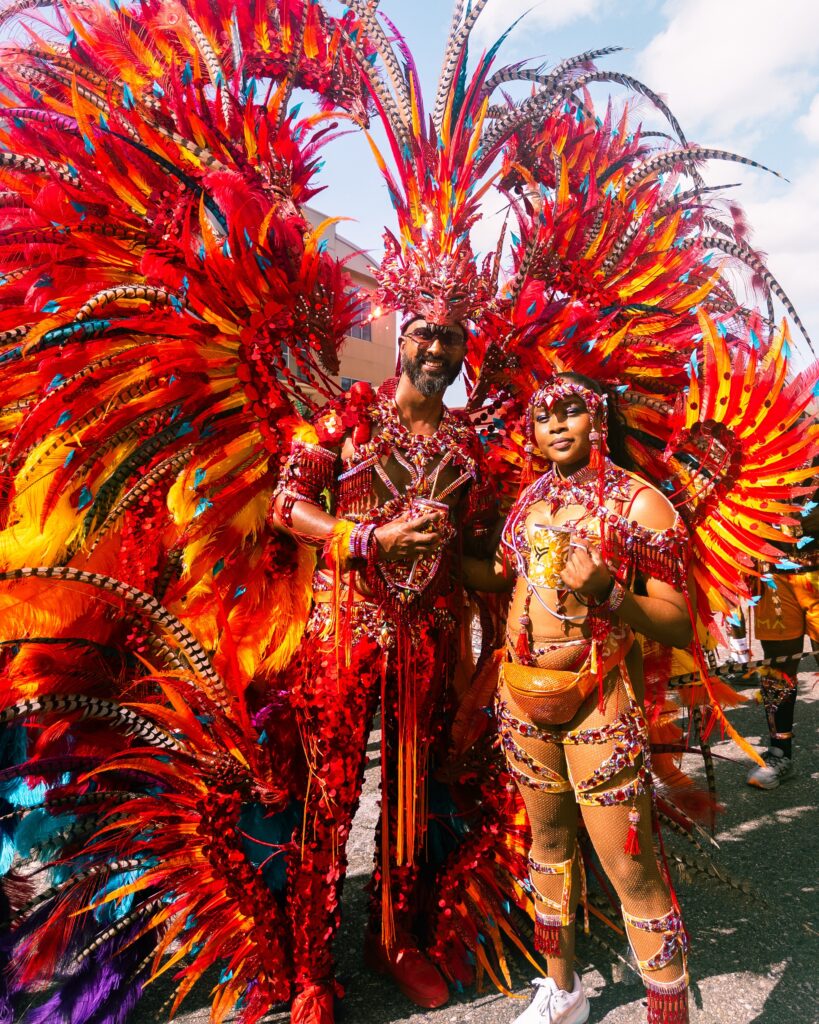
point(391, 488)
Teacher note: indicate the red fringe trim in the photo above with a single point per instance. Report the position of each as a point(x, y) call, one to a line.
point(547, 938)
point(667, 1008)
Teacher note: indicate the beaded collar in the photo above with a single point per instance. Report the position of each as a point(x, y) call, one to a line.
point(581, 488)
point(453, 435)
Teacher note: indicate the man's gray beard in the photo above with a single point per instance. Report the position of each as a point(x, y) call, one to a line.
point(427, 383)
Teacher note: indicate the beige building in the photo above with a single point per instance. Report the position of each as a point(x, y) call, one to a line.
point(369, 352)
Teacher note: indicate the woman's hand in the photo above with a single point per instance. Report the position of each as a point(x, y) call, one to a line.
point(404, 540)
point(585, 572)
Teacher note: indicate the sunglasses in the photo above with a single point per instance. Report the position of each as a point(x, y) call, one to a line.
point(449, 337)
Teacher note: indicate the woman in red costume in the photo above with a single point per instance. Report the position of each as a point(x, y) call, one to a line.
point(570, 701)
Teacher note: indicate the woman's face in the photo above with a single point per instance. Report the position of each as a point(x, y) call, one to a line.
point(562, 433)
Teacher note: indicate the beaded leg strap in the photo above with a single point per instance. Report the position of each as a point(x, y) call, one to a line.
point(533, 774)
point(547, 926)
point(667, 1000)
point(674, 938)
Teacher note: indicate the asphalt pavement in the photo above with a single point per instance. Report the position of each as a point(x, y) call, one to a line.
point(754, 958)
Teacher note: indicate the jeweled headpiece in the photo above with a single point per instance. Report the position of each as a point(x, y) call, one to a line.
point(442, 168)
point(559, 390)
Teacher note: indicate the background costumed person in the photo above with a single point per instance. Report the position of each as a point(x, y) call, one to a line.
point(786, 612)
point(596, 556)
point(406, 494)
point(170, 324)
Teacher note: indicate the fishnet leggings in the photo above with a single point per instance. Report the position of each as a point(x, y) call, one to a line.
point(638, 881)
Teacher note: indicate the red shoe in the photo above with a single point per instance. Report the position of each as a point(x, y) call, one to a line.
point(413, 972)
point(314, 1004)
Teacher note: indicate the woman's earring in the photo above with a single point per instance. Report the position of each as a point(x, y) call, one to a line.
point(594, 436)
point(527, 475)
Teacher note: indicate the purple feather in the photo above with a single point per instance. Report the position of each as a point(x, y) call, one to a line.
point(103, 990)
point(6, 942)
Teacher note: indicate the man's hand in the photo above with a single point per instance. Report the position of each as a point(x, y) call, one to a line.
point(585, 572)
point(404, 540)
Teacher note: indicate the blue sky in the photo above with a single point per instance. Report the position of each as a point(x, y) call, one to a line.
point(739, 74)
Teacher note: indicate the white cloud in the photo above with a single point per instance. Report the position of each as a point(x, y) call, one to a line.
point(546, 15)
point(726, 67)
point(808, 124)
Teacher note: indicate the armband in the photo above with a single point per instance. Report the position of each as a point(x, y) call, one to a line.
point(308, 470)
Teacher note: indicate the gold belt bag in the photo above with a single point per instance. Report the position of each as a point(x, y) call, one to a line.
point(548, 696)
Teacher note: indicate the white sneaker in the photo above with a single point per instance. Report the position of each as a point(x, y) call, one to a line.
point(553, 1005)
point(777, 769)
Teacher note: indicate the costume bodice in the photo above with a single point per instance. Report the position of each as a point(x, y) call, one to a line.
point(603, 509)
point(386, 474)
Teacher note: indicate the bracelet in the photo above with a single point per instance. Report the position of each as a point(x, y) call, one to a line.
point(360, 539)
point(617, 596)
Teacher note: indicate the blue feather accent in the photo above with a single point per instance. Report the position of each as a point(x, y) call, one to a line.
point(38, 827)
point(113, 910)
point(8, 849)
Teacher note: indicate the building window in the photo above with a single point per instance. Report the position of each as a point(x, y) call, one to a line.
point(347, 382)
point(362, 328)
point(291, 364)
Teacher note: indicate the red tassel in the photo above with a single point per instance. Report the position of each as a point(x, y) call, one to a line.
point(522, 647)
point(667, 1007)
point(547, 938)
point(632, 846)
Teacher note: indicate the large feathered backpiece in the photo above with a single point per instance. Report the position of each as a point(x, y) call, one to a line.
point(169, 319)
